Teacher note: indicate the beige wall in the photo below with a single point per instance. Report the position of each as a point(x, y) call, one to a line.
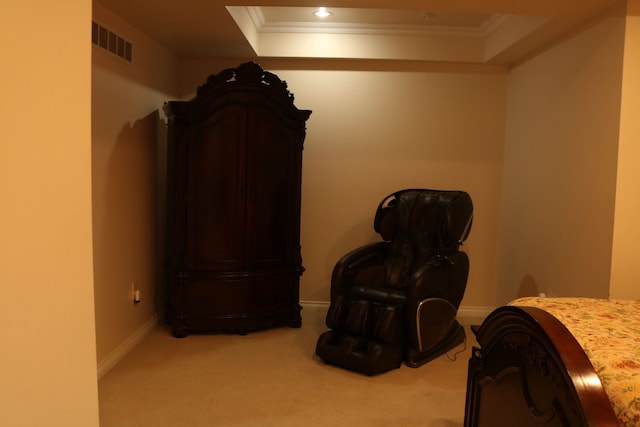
point(48, 369)
point(544, 201)
point(625, 274)
point(127, 134)
point(377, 128)
point(560, 167)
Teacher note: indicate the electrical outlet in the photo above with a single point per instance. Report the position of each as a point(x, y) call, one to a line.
point(135, 293)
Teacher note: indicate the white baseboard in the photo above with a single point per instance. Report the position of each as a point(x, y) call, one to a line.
point(474, 314)
point(466, 314)
point(318, 304)
point(123, 349)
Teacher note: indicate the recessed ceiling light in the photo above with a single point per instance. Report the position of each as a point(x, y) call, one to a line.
point(322, 12)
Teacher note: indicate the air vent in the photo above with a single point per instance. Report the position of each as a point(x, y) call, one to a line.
point(110, 41)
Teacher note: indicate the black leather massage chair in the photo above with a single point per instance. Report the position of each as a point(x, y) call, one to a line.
point(396, 300)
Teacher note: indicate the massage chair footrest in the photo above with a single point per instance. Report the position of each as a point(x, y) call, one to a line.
point(358, 354)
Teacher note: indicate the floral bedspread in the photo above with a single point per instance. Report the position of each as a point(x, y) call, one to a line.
point(609, 333)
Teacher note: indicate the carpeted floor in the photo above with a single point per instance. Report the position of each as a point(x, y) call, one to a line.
point(273, 378)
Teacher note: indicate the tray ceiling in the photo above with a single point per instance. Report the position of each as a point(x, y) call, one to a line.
point(476, 31)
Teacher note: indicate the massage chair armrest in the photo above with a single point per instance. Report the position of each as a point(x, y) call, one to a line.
point(431, 307)
point(347, 268)
point(432, 322)
point(427, 281)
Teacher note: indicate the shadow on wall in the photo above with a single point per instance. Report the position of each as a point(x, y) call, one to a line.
point(528, 287)
point(127, 227)
point(351, 239)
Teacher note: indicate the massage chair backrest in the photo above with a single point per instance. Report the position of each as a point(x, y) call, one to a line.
point(446, 215)
point(421, 226)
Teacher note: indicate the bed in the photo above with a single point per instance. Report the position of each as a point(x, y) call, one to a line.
point(556, 362)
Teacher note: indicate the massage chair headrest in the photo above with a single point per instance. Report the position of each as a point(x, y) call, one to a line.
point(445, 216)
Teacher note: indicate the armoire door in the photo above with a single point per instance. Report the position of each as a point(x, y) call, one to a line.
point(273, 181)
point(215, 191)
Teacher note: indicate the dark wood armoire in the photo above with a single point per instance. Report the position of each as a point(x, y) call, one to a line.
point(234, 164)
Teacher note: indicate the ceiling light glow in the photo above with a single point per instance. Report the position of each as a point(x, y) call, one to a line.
point(322, 12)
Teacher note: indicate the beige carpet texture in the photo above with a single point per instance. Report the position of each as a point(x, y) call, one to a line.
point(273, 378)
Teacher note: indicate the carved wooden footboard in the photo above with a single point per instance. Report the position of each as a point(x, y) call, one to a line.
point(530, 371)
